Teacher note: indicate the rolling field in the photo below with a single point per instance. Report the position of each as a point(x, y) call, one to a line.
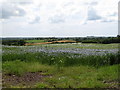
point(35, 41)
point(61, 66)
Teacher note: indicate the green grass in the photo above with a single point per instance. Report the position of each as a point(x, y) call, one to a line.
point(78, 72)
point(84, 77)
point(20, 67)
point(74, 77)
point(83, 46)
point(35, 41)
point(63, 59)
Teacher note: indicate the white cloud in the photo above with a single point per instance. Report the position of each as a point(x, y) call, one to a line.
point(35, 20)
point(92, 14)
point(56, 11)
point(68, 4)
point(93, 3)
point(57, 19)
point(9, 10)
point(52, 15)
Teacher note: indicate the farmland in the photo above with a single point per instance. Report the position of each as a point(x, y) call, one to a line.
point(61, 66)
point(35, 41)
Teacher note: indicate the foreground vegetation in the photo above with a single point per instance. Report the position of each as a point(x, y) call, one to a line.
point(64, 59)
point(63, 66)
point(65, 77)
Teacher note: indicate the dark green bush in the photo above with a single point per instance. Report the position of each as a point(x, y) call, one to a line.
point(14, 42)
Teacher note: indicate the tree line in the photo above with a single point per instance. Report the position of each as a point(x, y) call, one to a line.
point(102, 40)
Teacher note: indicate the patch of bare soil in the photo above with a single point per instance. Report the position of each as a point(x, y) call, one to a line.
point(37, 43)
point(113, 84)
point(28, 79)
point(61, 41)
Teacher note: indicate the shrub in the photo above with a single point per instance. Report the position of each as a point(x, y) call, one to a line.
point(14, 42)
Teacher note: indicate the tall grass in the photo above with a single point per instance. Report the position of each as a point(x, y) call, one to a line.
point(64, 59)
point(82, 77)
point(74, 77)
point(67, 69)
point(20, 67)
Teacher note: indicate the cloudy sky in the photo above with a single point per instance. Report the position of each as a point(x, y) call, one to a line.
point(59, 18)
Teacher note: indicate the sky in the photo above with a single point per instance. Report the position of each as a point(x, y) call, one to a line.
point(58, 18)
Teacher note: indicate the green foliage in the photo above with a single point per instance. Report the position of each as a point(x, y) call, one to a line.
point(83, 77)
point(14, 67)
point(89, 41)
point(35, 41)
point(14, 42)
point(108, 73)
point(41, 85)
point(69, 77)
point(61, 60)
point(103, 40)
point(18, 67)
point(22, 41)
point(65, 71)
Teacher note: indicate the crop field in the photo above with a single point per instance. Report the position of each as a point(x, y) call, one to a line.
point(35, 41)
point(61, 66)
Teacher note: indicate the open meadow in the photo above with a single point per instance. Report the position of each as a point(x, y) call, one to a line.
point(60, 66)
point(60, 44)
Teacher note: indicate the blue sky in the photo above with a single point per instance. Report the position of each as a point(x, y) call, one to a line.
point(59, 18)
